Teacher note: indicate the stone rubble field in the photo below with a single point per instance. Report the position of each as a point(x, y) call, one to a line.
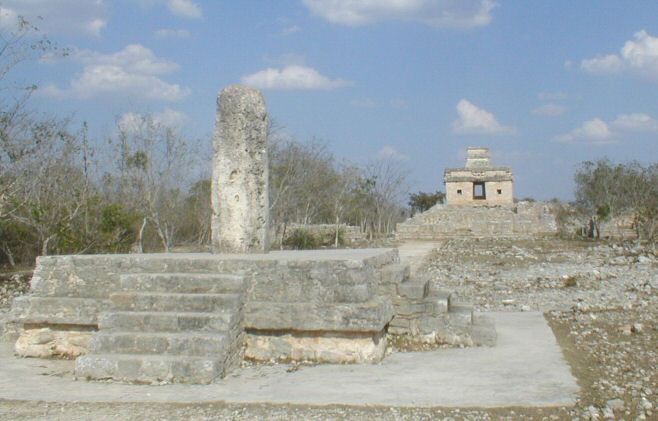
point(13, 285)
point(601, 300)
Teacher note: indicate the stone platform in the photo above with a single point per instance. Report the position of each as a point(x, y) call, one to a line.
point(524, 368)
point(521, 220)
point(191, 318)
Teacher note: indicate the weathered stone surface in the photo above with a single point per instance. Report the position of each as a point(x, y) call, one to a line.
point(522, 220)
point(308, 304)
point(57, 310)
point(414, 289)
point(153, 321)
point(349, 234)
point(162, 301)
point(149, 368)
point(371, 316)
point(319, 276)
point(160, 343)
point(47, 343)
point(153, 336)
point(323, 348)
point(185, 283)
point(240, 202)
point(495, 182)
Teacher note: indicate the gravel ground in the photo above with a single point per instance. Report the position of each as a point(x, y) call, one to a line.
point(13, 284)
point(600, 299)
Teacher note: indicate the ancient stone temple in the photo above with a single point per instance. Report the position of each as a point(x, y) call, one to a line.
point(479, 182)
point(480, 203)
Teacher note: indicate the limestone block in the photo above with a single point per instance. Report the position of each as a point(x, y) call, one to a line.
point(407, 308)
point(322, 348)
point(392, 275)
point(57, 310)
point(353, 293)
point(414, 289)
point(461, 315)
point(240, 201)
point(371, 316)
point(156, 369)
point(47, 343)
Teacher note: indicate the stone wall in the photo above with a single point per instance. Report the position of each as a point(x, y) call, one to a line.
point(350, 234)
point(524, 219)
point(505, 197)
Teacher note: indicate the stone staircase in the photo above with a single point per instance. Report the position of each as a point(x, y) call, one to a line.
point(168, 328)
point(425, 314)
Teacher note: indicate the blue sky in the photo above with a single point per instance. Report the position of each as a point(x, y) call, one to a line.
point(545, 84)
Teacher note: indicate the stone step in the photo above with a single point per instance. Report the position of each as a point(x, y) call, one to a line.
point(414, 288)
point(174, 302)
point(394, 273)
point(460, 314)
point(149, 321)
point(57, 310)
point(483, 331)
point(149, 369)
point(167, 343)
point(188, 283)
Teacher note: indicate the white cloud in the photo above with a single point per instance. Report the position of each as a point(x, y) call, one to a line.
point(435, 13)
point(171, 118)
point(171, 33)
point(132, 72)
point(56, 16)
point(8, 19)
point(608, 64)
point(134, 58)
point(389, 152)
point(595, 131)
point(292, 77)
point(474, 120)
point(185, 8)
point(636, 122)
point(638, 56)
point(188, 9)
point(549, 110)
point(132, 121)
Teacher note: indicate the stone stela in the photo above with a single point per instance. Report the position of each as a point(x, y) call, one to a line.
point(240, 196)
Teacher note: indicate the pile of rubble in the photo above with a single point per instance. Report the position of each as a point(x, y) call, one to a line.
point(601, 300)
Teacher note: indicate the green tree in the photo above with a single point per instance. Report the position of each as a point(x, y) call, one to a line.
point(422, 201)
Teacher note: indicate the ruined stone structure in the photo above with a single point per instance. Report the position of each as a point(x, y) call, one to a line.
point(240, 195)
point(479, 183)
point(480, 203)
point(191, 318)
point(349, 233)
point(521, 220)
